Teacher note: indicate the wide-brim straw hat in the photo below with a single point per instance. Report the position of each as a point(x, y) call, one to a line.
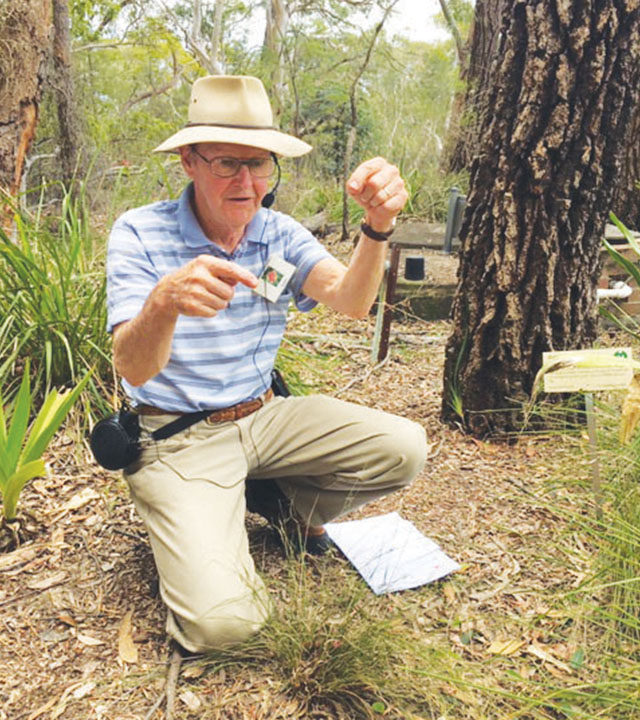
point(233, 109)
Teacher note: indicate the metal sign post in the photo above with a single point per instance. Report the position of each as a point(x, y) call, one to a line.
point(593, 451)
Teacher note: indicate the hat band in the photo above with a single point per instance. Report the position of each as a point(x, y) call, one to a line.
point(237, 127)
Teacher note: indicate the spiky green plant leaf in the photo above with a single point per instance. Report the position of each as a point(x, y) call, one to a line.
point(15, 484)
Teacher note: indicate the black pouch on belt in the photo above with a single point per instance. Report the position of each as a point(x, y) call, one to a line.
point(115, 441)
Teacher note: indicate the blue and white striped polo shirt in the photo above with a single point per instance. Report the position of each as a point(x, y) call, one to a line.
point(220, 361)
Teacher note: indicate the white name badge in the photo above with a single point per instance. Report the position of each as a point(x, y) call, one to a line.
point(274, 278)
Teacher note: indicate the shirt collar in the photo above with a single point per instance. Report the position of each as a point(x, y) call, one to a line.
point(192, 233)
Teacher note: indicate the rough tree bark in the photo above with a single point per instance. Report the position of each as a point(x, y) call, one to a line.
point(563, 95)
point(24, 41)
point(475, 71)
point(62, 83)
point(627, 202)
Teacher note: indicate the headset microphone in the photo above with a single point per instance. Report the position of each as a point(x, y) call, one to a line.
point(270, 197)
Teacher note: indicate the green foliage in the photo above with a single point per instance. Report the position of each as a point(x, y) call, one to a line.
point(133, 69)
point(52, 297)
point(21, 448)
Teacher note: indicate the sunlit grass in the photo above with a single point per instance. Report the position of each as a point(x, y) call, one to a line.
point(53, 299)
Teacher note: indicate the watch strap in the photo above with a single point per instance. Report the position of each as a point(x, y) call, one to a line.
point(375, 234)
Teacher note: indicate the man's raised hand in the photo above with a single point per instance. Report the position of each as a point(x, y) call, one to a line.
point(376, 186)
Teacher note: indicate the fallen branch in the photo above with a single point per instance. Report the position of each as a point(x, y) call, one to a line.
point(169, 690)
point(172, 681)
point(364, 377)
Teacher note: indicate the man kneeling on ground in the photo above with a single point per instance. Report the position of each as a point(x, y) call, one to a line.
point(197, 310)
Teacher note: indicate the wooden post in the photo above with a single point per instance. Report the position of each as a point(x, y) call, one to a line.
point(388, 303)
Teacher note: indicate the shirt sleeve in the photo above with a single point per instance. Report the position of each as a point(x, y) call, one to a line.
point(304, 251)
point(131, 275)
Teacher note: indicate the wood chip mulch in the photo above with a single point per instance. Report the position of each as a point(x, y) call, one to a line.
point(82, 627)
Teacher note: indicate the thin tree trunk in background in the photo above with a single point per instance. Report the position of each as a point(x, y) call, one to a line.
point(62, 82)
point(216, 36)
point(273, 50)
point(457, 38)
point(353, 130)
point(24, 41)
point(563, 98)
point(208, 57)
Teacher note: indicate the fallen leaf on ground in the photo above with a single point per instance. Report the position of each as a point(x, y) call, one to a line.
point(127, 650)
point(506, 647)
point(48, 582)
point(88, 640)
point(86, 495)
point(191, 700)
point(83, 690)
point(542, 654)
point(42, 710)
point(21, 555)
point(193, 671)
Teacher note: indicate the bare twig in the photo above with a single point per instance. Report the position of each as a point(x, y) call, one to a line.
point(169, 690)
point(363, 378)
point(156, 705)
point(172, 681)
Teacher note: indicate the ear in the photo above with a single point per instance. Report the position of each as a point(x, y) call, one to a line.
point(187, 160)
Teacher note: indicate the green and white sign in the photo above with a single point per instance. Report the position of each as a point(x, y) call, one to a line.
point(587, 370)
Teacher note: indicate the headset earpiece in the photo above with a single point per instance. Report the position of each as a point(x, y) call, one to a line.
point(270, 197)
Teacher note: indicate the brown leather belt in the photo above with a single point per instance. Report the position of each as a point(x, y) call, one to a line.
point(235, 412)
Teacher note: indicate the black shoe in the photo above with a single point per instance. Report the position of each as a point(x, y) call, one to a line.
point(265, 498)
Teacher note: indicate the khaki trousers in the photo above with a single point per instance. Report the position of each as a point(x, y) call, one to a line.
point(329, 457)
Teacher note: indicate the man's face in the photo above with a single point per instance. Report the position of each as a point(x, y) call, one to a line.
point(224, 204)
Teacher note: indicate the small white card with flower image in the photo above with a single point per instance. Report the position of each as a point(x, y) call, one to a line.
point(274, 278)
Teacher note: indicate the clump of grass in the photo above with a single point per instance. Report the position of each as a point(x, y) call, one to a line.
point(52, 297)
point(337, 649)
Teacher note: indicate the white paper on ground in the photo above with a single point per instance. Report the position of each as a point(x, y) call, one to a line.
point(390, 552)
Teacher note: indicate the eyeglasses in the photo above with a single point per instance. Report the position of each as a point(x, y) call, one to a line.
point(226, 167)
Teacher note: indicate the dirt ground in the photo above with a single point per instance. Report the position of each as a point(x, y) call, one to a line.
point(83, 628)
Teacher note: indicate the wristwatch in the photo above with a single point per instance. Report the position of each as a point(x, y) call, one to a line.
point(375, 234)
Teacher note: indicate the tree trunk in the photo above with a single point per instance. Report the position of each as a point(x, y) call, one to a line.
point(627, 203)
point(24, 40)
point(353, 129)
point(273, 50)
point(216, 37)
point(62, 82)
point(563, 96)
point(475, 71)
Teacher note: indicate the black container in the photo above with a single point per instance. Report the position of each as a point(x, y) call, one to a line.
point(414, 268)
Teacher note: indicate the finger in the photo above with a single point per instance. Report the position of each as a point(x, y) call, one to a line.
point(385, 177)
point(391, 196)
point(229, 272)
point(361, 174)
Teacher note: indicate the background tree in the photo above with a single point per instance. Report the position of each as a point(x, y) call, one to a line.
point(627, 201)
point(476, 62)
point(564, 94)
point(61, 80)
point(24, 41)
point(353, 119)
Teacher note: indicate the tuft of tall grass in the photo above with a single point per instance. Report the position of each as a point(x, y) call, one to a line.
point(52, 298)
point(338, 650)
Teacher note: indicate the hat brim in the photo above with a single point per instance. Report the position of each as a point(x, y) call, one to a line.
point(271, 140)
